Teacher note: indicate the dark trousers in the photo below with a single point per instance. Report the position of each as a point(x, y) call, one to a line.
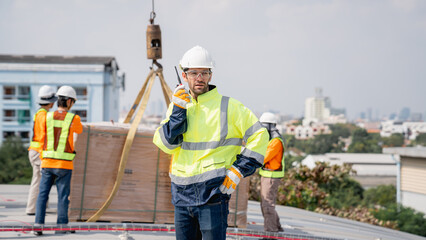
point(208, 221)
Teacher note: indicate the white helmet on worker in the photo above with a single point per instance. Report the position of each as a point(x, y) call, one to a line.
point(67, 91)
point(46, 95)
point(196, 57)
point(268, 117)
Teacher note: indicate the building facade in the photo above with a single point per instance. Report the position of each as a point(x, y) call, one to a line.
point(410, 130)
point(95, 80)
point(307, 132)
point(315, 109)
point(318, 109)
point(411, 187)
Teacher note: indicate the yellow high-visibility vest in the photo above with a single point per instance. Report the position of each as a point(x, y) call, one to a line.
point(65, 125)
point(217, 128)
point(35, 144)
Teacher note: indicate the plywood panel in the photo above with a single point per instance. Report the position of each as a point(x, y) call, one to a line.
point(144, 194)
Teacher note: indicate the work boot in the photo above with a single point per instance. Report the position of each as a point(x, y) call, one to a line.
point(38, 232)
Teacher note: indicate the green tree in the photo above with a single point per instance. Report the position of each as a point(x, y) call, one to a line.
point(362, 142)
point(421, 139)
point(382, 195)
point(407, 219)
point(344, 192)
point(395, 140)
point(342, 130)
point(322, 143)
point(15, 167)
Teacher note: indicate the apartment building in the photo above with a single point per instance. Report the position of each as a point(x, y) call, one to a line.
point(95, 79)
point(410, 130)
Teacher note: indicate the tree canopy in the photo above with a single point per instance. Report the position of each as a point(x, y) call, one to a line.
point(15, 167)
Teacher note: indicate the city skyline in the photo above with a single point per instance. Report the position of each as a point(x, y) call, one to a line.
point(269, 55)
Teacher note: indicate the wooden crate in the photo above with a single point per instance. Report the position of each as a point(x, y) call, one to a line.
point(144, 194)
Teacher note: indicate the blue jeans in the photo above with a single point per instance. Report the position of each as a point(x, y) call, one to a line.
point(63, 182)
point(208, 221)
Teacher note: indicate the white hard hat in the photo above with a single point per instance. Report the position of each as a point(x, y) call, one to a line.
point(67, 91)
point(46, 95)
point(268, 117)
point(196, 57)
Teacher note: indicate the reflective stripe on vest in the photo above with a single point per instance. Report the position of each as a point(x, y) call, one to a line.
point(35, 144)
point(191, 170)
point(276, 173)
point(65, 125)
point(193, 146)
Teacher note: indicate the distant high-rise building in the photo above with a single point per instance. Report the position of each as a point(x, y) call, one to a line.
point(333, 111)
point(392, 116)
point(338, 111)
point(416, 117)
point(315, 109)
point(404, 114)
point(319, 109)
point(369, 114)
point(327, 102)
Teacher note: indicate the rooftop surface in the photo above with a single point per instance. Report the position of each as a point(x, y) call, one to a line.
point(39, 59)
point(419, 152)
point(297, 224)
point(363, 163)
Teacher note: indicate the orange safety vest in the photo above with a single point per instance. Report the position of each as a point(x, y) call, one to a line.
point(35, 141)
point(274, 165)
point(58, 149)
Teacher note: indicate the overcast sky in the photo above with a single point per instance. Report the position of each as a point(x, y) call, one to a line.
point(270, 55)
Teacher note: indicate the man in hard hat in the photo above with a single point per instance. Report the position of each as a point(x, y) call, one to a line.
point(46, 98)
point(61, 129)
point(271, 173)
point(204, 131)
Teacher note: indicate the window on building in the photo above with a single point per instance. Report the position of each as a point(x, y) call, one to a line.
point(7, 134)
point(21, 115)
point(9, 92)
point(16, 92)
point(25, 136)
point(82, 114)
point(81, 93)
point(9, 115)
point(23, 92)
point(24, 116)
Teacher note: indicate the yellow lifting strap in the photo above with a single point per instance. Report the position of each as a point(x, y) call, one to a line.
point(144, 96)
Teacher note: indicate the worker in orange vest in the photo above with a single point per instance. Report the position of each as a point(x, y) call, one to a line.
point(46, 98)
point(271, 173)
point(61, 129)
